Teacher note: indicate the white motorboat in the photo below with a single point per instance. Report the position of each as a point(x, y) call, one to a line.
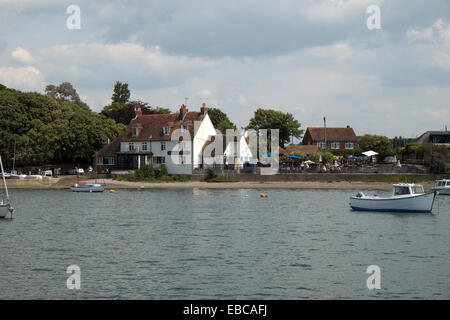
point(5, 203)
point(406, 197)
point(442, 186)
point(88, 187)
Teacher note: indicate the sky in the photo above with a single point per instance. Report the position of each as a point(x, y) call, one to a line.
point(311, 58)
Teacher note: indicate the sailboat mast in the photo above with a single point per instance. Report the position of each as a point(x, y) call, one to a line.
point(14, 158)
point(4, 181)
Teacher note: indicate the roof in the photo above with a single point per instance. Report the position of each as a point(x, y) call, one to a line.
point(425, 137)
point(305, 149)
point(110, 149)
point(333, 134)
point(151, 125)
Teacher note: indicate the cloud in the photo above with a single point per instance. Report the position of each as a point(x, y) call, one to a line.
point(23, 56)
point(27, 78)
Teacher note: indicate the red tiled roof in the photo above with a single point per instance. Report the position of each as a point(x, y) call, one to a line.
point(333, 134)
point(110, 150)
point(152, 125)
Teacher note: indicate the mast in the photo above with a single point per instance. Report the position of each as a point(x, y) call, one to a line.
point(4, 181)
point(14, 158)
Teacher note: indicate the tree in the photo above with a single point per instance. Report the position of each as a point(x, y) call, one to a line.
point(123, 113)
point(64, 92)
point(272, 119)
point(379, 144)
point(51, 130)
point(220, 120)
point(121, 93)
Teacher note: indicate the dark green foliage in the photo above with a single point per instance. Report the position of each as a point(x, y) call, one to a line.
point(220, 120)
point(49, 130)
point(210, 174)
point(123, 113)
point(121, 93)
point(344, 152)
point(272, 119)
point(379, 144)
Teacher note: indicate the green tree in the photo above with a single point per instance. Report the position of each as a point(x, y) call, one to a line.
point(272, 119)
point(379, 144)
point(64, 92)
point(220, 120)
point(121, 93)
point(123, 113)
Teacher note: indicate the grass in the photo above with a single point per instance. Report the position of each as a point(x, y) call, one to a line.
point(218, 179)
point(392, 179)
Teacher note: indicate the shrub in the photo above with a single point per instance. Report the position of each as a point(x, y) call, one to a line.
point(210, 174)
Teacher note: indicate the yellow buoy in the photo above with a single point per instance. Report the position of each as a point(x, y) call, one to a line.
point(263, 195)
point(112, 191)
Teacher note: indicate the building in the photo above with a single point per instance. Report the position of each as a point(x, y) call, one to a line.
point(336, 138)
point(438, 138)
point(228, 150)
point(174, 140)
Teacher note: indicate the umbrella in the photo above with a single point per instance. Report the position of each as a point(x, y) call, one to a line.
point(294, 157)
point(309, 162)
point(370, 153)
point(267, 155)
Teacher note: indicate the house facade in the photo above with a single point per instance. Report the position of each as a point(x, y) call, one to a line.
point(331, 138)
point(174, 140)
point(437, 138)
point(227, 149)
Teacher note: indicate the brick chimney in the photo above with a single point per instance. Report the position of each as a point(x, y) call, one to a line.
point(204, 109)
point(183, 111)
point(138, 111)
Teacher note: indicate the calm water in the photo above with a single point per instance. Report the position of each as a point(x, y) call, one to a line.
point(219, 244)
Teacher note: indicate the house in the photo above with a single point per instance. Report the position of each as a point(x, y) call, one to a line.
point(227, 149)
point(336, 138)
point(437, 138)
point(303, 149)
point(175, 140)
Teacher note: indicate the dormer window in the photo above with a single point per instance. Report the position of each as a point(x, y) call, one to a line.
point(134, 132)
point(166, 130)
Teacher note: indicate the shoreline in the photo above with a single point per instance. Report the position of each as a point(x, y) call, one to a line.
point(58, 183)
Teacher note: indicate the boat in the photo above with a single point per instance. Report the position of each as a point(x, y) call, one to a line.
point(88, 187)
point(406, 197)
point(5, 203)
point(442, 186)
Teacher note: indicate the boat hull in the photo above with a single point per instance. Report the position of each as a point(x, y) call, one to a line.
point(415, 203)
point(445, 190)
point(4, 210)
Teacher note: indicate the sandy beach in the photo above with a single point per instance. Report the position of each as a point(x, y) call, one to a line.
point(66, 182)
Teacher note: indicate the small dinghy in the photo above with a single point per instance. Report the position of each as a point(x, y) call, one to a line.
point(88, 187)
point(406, 197)
point(443, 186)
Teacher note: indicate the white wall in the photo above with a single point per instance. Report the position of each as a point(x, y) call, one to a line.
point(202, 134)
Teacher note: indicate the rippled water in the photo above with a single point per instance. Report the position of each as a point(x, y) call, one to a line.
point(219, 244)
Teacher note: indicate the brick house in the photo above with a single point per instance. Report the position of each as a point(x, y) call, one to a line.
point(336, 138)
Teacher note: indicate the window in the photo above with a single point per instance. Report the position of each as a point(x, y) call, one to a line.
point(163, 146)
point(182, 159)
point(417, 189)
point(335, 145)
point(105, 161)
point(349, 145)
point(401, 190)
point(166, 130)
point(159, 160)
point(184, 126)
point(131, 146)
point(134, 132)
point(144, 146)
point(321, 144)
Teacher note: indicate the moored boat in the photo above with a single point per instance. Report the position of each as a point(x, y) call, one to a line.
point(88, 187)
point(5, 203)
point(442, 186)
point(406, 197)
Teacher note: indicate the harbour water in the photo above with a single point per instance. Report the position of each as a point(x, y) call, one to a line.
point(219, 244)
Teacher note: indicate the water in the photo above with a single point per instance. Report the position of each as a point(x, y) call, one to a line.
point(219, 244)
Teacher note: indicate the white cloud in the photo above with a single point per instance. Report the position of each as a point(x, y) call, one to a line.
point(27, 78)
point(23, 56)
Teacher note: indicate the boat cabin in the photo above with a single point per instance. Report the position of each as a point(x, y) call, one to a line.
point(407, 189)
point(443, 183)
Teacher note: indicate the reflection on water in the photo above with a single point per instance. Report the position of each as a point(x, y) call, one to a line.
point(219, 244)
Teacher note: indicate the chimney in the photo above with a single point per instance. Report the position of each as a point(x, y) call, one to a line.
point(183, 111)
point(204, 109)
point(138, 111)
point(348, 126)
